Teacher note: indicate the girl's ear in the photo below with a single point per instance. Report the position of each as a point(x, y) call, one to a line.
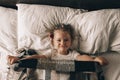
point(51, 37)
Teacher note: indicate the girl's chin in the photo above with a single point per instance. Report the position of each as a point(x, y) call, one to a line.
point(63, 51)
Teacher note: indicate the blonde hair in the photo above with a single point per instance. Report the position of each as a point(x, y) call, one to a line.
point(63, 27)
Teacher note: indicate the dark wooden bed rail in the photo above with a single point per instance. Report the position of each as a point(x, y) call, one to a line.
point(84, 4)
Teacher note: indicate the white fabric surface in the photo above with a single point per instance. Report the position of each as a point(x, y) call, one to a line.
point(8, 38)
point(96, 31)
point(34, 21)
point(99, 30)
point(112, 70)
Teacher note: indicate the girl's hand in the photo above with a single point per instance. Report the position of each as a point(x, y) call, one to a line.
point(101, 60)
point(12, 59)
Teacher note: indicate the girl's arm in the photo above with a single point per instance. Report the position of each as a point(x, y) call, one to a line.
point(99, 59)
point(13, 59)
point(84, 58)
point(36, 56)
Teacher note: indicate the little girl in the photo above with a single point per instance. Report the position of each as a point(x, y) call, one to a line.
point(61, 39)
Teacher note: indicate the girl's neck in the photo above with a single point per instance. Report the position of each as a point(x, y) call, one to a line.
point(63, 53)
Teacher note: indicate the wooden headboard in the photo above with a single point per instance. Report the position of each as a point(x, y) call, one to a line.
point(84, 4)
point(9, 3)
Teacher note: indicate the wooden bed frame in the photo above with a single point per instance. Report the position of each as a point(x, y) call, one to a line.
point(83, 4)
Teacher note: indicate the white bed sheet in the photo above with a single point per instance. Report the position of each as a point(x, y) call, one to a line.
point(8, 38)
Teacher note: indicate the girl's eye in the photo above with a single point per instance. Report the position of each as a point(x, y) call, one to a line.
point(66, 40)
point(58, 40)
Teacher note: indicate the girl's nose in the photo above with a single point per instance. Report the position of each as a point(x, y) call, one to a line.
point(62, 42)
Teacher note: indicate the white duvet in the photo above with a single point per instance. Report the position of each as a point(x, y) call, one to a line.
point(99, 30)
point(8, 38)
point(96, 32)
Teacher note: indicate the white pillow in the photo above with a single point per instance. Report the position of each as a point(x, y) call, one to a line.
point(99, 30)
point(96, 28)
point(34, 21)
point(8, 37)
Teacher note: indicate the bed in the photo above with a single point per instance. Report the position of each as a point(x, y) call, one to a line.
point(25, 23)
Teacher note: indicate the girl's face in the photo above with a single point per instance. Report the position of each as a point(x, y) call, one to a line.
point(62, 41)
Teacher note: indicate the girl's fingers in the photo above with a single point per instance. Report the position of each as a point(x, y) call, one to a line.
point(11, 59)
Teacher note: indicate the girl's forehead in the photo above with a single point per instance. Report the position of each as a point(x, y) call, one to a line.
point(63, 34)
point(60, 32)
